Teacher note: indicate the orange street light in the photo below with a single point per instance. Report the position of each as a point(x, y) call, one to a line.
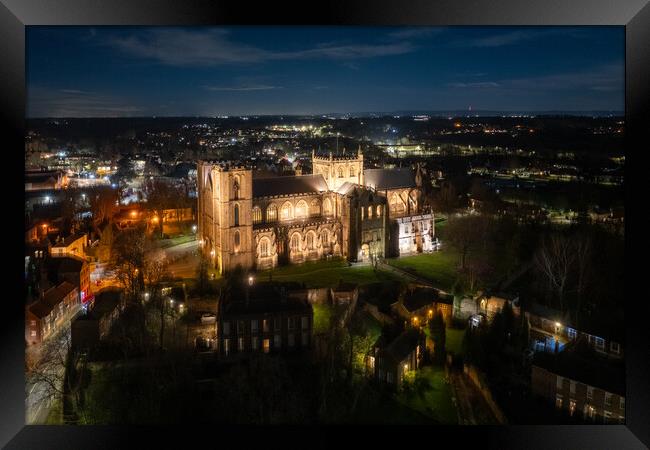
point(155, 219)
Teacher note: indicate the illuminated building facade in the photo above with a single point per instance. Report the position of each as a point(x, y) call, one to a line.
point(338, 210)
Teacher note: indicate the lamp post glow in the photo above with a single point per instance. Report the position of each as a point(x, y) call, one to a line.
point(194, 228)
point(250, 280)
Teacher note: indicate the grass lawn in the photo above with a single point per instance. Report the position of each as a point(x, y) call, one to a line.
point(322, 317)
point(325, 274)
point(436, 400)
point(454, 340)
point(166, 243)
point(439, 267)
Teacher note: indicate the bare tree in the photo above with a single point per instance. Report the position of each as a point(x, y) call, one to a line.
point(583, 255)
point(554, 260)
point(102, 200)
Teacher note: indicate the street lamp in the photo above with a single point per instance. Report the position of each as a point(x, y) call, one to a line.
point(250, 280)
point(194, 228)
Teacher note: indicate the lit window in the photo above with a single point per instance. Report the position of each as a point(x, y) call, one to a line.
point(295, 243)
point(325, 238)
point(271, 213)
point(264, 248)
point(378, 210)
point(558, 401)
point(266, 344)
point(287, 211)
point(571, 333)
point(301, 209)
point(265, 325)
point(572, 407)
point(257, 215)
point(240, 344)
point(369, 212)
point(33, 334)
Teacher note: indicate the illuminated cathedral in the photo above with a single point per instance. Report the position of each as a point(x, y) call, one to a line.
point(340, 210)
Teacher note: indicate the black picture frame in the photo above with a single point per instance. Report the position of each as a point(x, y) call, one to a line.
point(633, 14)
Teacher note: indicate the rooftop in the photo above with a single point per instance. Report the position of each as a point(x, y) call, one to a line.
point(396, 178)
point(586, 366)
point(289, 185)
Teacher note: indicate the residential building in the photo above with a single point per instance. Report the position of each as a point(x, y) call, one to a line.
point(389, 360)
point(46, 316)
point(581, 383)
point(73, 245)
point(263, 319)
point(93, 326)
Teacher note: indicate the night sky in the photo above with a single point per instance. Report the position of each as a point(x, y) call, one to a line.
point(208, 71)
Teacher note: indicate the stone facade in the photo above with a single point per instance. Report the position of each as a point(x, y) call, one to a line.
point(260, 223)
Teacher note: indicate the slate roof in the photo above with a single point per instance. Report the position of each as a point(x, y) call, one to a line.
point(586, 367)
point(404, 344)
point(345, 188)
point(51, 298)
point(289, 185)
point(396, 178)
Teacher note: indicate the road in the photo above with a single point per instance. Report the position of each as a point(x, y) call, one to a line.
point(183, 259)
point(49, 360)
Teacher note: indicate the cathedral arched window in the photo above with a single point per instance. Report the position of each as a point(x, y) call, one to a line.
point(264, 247)
point(314, 209)
point(287, 211)
point(235, 188)
point(271, 213)
point(295, 243)
point(378, 210)
point(310, 241)
point(340, 172)
point(236, 240)
point(257, 215)
point(396, 205)
point(301, 209)
point(327, 207)
point(369, 212)
point(236, 215)
point(352, 172)
point(325, 238)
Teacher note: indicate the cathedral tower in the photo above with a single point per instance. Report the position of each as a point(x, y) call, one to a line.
point(225, 226)
point(339, 169)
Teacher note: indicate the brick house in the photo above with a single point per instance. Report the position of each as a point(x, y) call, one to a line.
point(263, 319)
point(582, 384)
point(46, 316)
